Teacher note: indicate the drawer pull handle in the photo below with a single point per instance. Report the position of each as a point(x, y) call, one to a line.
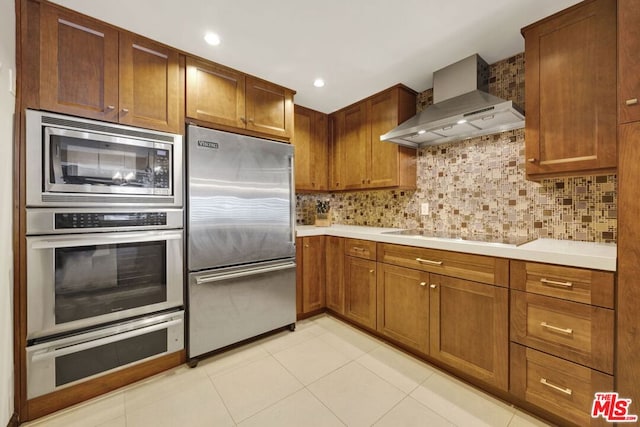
point(564, 390)
point(567, 331)
point(428, 261)
point(556, 283)
point(432, 286)
point(632, 101)
point(372, 271)
point(357, 249)
point(423, 283)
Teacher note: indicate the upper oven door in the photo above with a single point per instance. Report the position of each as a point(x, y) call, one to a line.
point(84, 280)
point(74, 162)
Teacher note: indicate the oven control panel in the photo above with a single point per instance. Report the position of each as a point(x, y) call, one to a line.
point(71, 220)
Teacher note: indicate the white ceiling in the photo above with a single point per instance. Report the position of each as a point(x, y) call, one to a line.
point(358, 46)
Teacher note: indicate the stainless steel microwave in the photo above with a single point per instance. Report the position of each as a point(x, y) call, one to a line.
point(82, 163)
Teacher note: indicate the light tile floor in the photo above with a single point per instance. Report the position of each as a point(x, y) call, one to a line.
point(326, 373)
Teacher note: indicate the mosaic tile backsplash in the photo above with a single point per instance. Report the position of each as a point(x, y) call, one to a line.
point(479, 187)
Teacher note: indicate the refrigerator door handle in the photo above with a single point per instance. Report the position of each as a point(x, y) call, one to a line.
point(292, 193)
point(252, 272)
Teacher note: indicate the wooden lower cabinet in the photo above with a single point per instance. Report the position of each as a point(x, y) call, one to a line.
point(403, 306)
point(556, 385)
point(311, 274)
point(334, 273)
point(360, 291)
point(469, 328)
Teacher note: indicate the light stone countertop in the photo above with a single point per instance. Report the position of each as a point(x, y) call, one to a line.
point(597, 256)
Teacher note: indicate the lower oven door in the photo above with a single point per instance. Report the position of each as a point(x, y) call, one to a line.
point(80, 281)
point(66, 361)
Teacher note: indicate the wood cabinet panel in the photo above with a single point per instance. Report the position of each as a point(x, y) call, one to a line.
point(269, 108)
point(628, 61)
point(299, 276)
point(403, 306)
point(78, 65)
point(628, 292)
point(478, 268)
point(149, 85)
point(360, 248)
point(360, 291)
point(334, 260)
point(557, 385)
point(313, 273)
point(311, 149)
point(570, 91)
point(215, 94)
point(577, 332)
point(469, 328)
point(355, 143)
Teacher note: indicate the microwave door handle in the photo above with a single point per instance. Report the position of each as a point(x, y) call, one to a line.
point(220, 277)
point(75, 348)
point(94, 241)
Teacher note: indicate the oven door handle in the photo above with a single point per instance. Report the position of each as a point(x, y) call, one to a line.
point(51, 352)
point(103, 239)
point(226, 276)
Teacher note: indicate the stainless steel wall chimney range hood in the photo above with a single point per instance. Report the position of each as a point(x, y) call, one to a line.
point(461, 108)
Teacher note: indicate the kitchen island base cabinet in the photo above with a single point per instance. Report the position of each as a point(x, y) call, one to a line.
point(360, 291)
point(469, 328)
point(403, 306)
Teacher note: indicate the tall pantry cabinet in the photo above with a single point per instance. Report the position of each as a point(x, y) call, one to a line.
point(628, 321)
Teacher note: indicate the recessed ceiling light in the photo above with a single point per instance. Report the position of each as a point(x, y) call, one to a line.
point(318, 83)
point(212, 38)
point(420, 132)
point(461, 121)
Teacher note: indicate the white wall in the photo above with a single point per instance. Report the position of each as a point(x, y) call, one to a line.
point(7, 105)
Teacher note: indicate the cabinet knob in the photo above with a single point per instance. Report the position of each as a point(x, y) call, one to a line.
point(243, 120)
point(423, 283)
point(531, 160)
point(306, 246)
point(363, 181)
point(125, 110)
point(372, 271)
point(432, 286)
point(632, 101)
point(111, 107)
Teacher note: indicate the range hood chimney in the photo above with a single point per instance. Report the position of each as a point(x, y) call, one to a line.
point(461, 108)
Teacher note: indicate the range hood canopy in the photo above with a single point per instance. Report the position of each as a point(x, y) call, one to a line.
point(461, 108)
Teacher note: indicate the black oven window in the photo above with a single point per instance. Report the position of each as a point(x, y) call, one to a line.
point(101, 279)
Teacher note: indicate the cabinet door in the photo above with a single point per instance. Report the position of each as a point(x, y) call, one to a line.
point(149, 84)
point(313, 273)
point(78, 65)
point(360, 291)
point(310, 140)
point(336, 151)
point(334, 263)
point(628, 61)
point(403, 305)
point(215, 94)
point(269, 108)
point(469, 328)
point(571, 91)
point(320, 152)
point(354, 140)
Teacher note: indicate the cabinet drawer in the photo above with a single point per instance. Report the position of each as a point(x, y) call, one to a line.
point(578, 332)
point(556, 385)
point(483, 269)
point(360, 248)
point(574, 284)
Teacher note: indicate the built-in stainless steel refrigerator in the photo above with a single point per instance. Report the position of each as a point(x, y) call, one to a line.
point(241, 238)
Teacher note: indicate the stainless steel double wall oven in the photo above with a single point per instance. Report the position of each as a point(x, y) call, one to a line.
point(104, 248)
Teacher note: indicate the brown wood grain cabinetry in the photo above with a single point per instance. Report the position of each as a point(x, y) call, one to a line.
point(312, 276)
point(230, 100)
point(360, 272)
point(311, 149)
point(628, 61)
point(403, 305)
point(90, 69)
point(628, 289)
point(334, 260)
point(469, 328)
point(559, 386)
point(571, 91)
point(581, 333)
point(359, 159)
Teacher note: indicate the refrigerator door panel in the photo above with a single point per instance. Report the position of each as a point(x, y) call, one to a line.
point(241, 199)
point(229, 305)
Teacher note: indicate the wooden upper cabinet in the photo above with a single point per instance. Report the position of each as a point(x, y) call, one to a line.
point(227, 98)
point(78, 65)
point(359, 160)
point(311, 149)
point(149, 84)
point(571, 91)
point(628, 61)
point(90, 69)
